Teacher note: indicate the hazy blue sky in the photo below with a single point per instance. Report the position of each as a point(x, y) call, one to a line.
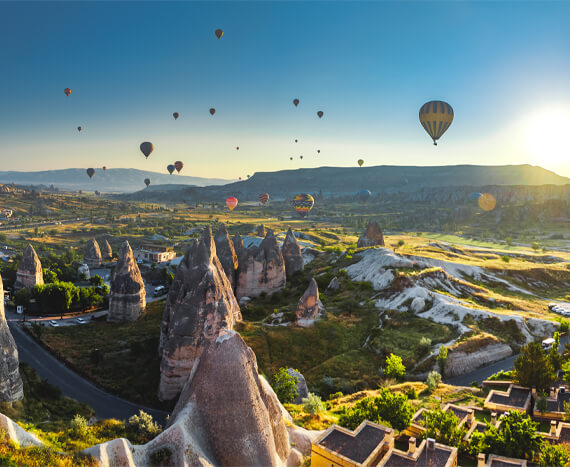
point(503, 66)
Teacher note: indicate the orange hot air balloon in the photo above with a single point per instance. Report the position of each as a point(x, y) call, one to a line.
point(146, 148)
point(320, 113)
point(436, 117)
point(90, 172)
point(231, 202)
point(212, 111)
point(296, 102)
point(178, 165)
point(104, 167)
point(67, 91)
point(263, 198)
point(219, 33)
point(176, 115)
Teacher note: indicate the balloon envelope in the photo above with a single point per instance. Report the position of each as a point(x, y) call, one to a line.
point(67, 91)
point(104, 167)
point(212, 111)
point(263, 198)
point(436, 117)
point(320, 113)
point(231, 202)
point(360, 162)
point(296, 102)
point(178, 165)
point(147, 148)
point(219, 33)
point(170, 168)
point(176, 115)
point(90, 172)
point(79, 128)
point(303, 203)
point(147, 181)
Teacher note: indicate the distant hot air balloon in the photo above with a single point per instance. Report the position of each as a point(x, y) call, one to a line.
point(97, 193)
point(219, 33)
point(318, 151)
point(90, 172)
point(80, 192)
point(178, 165)
point(67, 91)
point(79, 128)
point(360, 162)
point(146, 148)
point(296, 102)
point(170, 168)
point(176, 115)
point(231, 202)
point(147, 181)
point(436, 117)
point(104, 167)
point(364, 195)
point(291, 158)
point(263, 198)
point(296, 140)
point(237, 148)
point(300, 157)
point(303, 203)
point(320, 113)
point(212, 111)
point(239, 178)
point(248, 175)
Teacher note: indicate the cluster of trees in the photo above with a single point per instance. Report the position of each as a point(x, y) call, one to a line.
point(535, 367)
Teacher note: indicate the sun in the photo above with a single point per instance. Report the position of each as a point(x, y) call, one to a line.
point(548, 136)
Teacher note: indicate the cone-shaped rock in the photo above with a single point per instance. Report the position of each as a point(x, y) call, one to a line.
point(29, 270)
point(371, 237)
point(309, 307)
point(200, 303)
point(128, 295)
point(261, 269)
point(226, 254)
point(11, 388)
point(292, 254)
point(92, 256)
point(106, 251)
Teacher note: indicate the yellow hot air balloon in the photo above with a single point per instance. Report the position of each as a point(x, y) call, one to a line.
point(436, 117)
point(360, 162)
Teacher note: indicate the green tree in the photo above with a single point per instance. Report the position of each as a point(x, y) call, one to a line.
point(443, 427)
point(394, 367)
point(554, 353)
point(49, 276)
point(509, 241)
point(96, 280)
point(533, 368)
point(433, 381)
point(553, 456)
point(541, 403)
point(442, 359)
point(285, 386)
point(535, 246)
point(313, 404)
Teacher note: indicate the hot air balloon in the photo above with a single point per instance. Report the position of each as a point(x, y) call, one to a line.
point(97, 193)
point(364, 195)
point(212, 111)
point(487, 202)
point(237, 148)
point(248, 175)
point(318, 151)
point(104, 167)
point(79, 128)
point(303, 203)
point(176, 115)
point(360, 162)
point(296, 102)
point(170, 168)
point(436, 117)
point(290, 158)
point(320, 113)
point(263, 198)
point(239, 178)
point(90, 172)
point(296, 140)
point(178, 165)
point(219, 33)
point(300, 157)
point(146, 148)
point(67, 91)
point(147, 181)
point(231, 202)
point(80, 192)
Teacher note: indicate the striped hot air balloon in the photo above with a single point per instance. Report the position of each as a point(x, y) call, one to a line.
point(303, 203)
point(263, 198)
point(231, 202)
point(436, 117)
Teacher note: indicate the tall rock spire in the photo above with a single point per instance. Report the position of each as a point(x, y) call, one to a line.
point(29, 270)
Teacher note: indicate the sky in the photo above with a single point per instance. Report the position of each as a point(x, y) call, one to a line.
point(504, 67)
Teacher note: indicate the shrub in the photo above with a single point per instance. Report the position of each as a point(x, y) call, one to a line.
point(394, 367)
point(564, 325)
point(144, 425)
point(553, 456)
point(335, 395)
point(411, 393)
point(313, 404)
point(78, 427)
point(285, 386)
point(442, 359)
point(443, 427)
point(424, 346)
point(433, 381)
point(505, 258)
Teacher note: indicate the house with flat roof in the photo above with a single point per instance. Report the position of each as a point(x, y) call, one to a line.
point(154, 256)
point(465, 415)
point(495, 460)
point(554, 404)
point(559, 434)
point(514, 398)
point(363, 447)
point(427, 454)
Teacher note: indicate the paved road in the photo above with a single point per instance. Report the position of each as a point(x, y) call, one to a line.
point(71, 384)
point(483, 373)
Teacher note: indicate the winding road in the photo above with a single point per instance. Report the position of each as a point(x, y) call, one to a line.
point(71, 384)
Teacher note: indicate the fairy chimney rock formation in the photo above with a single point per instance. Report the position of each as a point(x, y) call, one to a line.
point(29, 270)
point(292, 254)
point(371, 237)
point(309, 307)
point(11, 388)
point(200, 303)
point(106, 251)
point(261, 269)
point(128, 295)
point(92, 256)
point(226, 254)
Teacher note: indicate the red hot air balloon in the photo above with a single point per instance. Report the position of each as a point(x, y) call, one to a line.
point(178, 165)
point(263, 198)
point(90, 172)
point(147, 148)
point(295, 102)
point(67, 91)
point(231, 202)
point(320, 113)
point(212, 111)
point(170, 168)
point(219, 33)
point(176, 115)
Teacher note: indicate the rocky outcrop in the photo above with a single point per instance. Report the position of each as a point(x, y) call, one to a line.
point(92, 256)
point(106, 250)
point(309, 307)
point(29, 271)
point(226, 254)
point(127, 299)
point(200, 303)
point(333, 286)
point(226, 415)
point(302, 389)
point(292, 254)
point(16, 434)
point(11, 388)
point(460, 363)
point(261, 269)
point(371, 237)
point(261, 231)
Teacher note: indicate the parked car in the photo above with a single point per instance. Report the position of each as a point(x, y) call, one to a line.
point(81, 320)
point(160, 291)
point(53, 323)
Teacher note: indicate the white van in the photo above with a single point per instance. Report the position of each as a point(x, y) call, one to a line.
point(547, 343)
